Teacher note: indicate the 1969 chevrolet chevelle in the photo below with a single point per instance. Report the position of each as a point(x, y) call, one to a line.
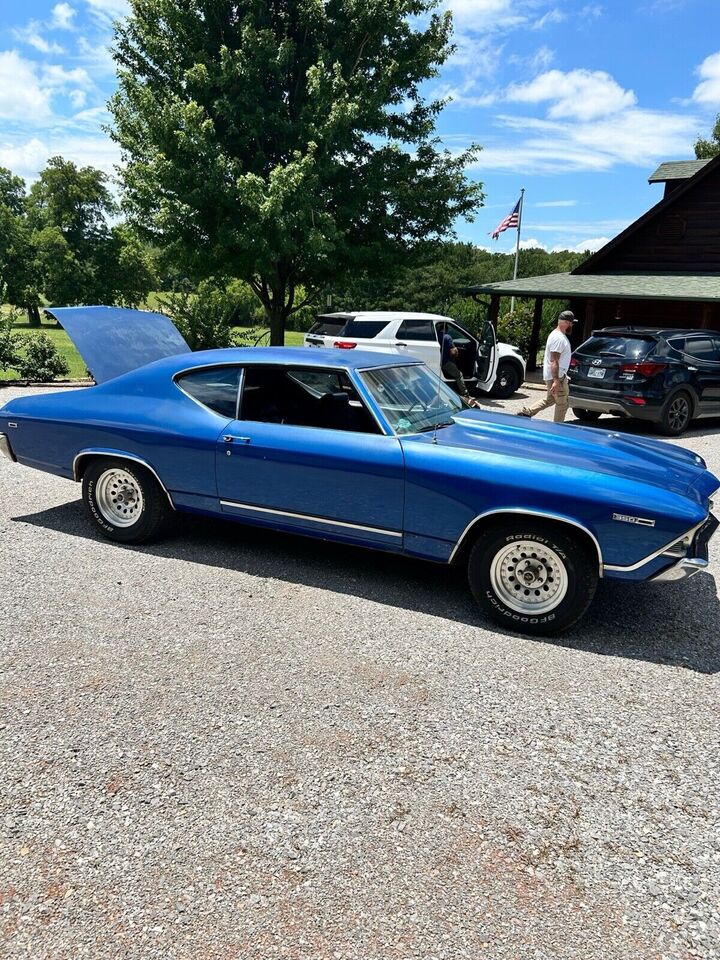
point(367, 449)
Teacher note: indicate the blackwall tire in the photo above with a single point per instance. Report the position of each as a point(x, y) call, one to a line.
point(677, 414)
point(532, 577)
point(124, 500)
point(507, 381)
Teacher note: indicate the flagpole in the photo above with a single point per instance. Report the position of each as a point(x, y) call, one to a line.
point(517, 246)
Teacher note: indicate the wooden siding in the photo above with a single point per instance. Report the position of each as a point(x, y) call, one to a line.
point(682, 236)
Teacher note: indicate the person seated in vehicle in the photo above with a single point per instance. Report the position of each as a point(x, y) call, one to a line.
point(451, 371)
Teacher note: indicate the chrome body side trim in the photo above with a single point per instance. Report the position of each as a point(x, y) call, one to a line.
point(305, 516)
point(532, 513)
point(118, 455)
point(6, 449)
point(668, 547)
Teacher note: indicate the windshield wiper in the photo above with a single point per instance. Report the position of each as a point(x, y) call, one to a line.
point(436, 426)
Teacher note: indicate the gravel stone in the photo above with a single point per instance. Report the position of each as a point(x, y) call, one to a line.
point(234, 745)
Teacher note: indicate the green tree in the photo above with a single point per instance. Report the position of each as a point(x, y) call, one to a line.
point(286, 142)
point(18, 269)
point(79, 258)
point(707, 149)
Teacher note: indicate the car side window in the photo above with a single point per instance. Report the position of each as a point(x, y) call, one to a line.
point(215, 388)
point(304, 397)
point(460, 337)
point(700, 348)
point(411, 329)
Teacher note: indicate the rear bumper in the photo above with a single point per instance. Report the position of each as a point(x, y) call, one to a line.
point(6, 449)
point(614, 404)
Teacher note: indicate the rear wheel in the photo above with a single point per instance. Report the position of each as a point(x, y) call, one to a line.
point(676, 415)
point(586, 416)
point(124, 500)
point(507, 381)
point(532, 577)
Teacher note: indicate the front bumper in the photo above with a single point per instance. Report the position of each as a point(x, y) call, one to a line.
point(6, 449)
point(696, 560)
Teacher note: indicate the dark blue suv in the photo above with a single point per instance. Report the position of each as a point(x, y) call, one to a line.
point(668, 377)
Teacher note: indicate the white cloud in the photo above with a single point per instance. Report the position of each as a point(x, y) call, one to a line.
point(21, 95)
point(109, 9)
point(579, 94)
point(62, 16)
point(568, 246)
point(32, 36)
point(58, 78)
point(78, 98)
point(552, 16)
point(708, 90)
point(556, 203)
point(485, 14)
point(531, 243)
point(26, 159)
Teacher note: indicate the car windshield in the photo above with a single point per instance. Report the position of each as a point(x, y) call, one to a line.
point(412, 399)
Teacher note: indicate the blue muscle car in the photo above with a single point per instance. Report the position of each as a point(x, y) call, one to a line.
point(367, 449)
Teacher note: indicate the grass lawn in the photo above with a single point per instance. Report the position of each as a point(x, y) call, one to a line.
point(77, 368)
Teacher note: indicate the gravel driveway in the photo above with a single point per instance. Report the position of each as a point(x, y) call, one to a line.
point(236, 745)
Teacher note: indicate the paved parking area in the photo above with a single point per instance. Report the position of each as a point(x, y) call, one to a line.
point(235, 744)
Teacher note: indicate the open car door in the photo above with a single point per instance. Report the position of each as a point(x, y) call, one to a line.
point(486, 355)
point(116, 340)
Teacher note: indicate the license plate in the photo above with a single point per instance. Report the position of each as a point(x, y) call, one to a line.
point(314, 343)
point(596, 373)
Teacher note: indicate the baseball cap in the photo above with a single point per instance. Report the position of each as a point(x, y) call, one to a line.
point(568, 315)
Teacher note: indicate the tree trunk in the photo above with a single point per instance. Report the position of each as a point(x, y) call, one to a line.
point(33, 315)
point(276, 316)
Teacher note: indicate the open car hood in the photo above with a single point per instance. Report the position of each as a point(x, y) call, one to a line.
point(115, 340)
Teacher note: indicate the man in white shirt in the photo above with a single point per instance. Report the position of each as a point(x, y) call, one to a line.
point(555, 367)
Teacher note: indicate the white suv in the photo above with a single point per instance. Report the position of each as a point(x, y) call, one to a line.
point(495, 368)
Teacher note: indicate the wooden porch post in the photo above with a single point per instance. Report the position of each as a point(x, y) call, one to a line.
point(494, 309)
point(588, 320)
point(535, 335)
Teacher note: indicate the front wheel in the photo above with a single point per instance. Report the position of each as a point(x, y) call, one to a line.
point(507, 381)
point(124, 500)
point(532, 577)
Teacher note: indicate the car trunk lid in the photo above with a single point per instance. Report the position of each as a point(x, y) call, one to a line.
point(116, 340)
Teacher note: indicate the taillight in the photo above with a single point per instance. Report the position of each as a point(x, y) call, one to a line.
point(344, 344)
point(644, 369)
point(638, 401)
point(573, 363)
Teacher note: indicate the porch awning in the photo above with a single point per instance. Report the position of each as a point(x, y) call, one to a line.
point(614, 286)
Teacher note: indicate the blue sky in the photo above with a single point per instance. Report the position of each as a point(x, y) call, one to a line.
point(575, 100)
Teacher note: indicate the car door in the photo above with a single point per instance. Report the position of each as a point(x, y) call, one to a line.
point(487, 356)
point(275, 467)
point(467, 344)
point(416, 337)
point(703, 360)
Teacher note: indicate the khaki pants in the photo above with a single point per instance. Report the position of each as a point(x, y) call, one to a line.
point(560, 401)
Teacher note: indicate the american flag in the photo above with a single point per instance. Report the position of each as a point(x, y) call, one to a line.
point(511, 221)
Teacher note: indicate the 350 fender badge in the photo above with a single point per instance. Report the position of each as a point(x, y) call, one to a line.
point(641, 521)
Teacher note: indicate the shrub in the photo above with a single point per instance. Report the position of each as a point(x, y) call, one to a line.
point(9, 344)
point(206, 318)
point(516, 328)
point(40, 360)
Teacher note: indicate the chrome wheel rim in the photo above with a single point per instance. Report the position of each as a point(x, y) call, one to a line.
point(678, 413)
point(529, 577)
point(119, 498)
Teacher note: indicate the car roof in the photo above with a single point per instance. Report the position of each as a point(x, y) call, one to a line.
point(290, 356)
point(654, 331)
point(386, 315)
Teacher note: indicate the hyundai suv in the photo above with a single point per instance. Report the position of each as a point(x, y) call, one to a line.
point(668, 377)
point(487, 366)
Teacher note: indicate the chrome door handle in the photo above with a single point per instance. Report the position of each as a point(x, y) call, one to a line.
point(229, 438)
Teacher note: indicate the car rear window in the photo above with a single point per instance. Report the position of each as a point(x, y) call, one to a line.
point(633, 348)
point(215, 388)
point(363, 329)
point(327, 327)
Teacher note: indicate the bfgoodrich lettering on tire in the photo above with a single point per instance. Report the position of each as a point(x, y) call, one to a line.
point(532, 576)
point(124, 500)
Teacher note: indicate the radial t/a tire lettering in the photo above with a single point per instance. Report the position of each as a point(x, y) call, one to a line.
point(532, 577)
point(124, 500)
